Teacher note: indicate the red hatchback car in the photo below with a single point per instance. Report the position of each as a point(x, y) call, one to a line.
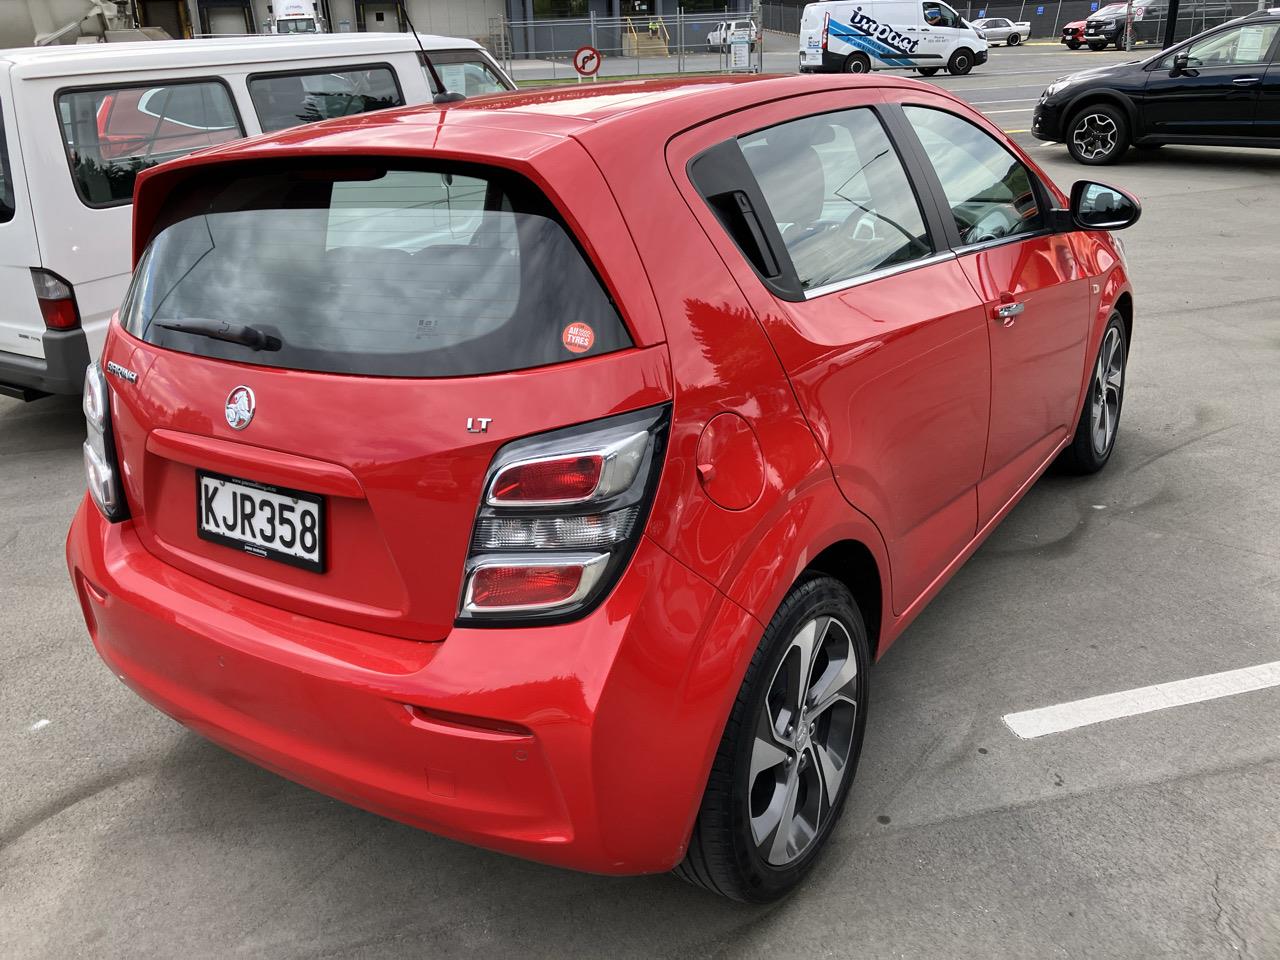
point(546, 470)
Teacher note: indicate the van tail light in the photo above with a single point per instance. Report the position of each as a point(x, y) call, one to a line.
point(826, 25)
point(101, 467)
point(57, 300)
point(560, 517)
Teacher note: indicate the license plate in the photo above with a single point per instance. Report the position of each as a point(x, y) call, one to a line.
point(271, 522)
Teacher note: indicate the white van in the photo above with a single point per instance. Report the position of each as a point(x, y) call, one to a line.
point(854, 37)
point(77, 124)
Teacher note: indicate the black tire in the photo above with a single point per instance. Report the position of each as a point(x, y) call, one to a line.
point(961, 62)
point(1085, 455)
point(1013, 40)
point(927, 71)
point(857, 63)
point(1097, 134)
point(1098, 46)
point(1073, 44)
point(723, 855)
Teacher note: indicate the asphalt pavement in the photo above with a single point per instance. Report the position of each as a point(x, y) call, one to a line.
point(1158, 835)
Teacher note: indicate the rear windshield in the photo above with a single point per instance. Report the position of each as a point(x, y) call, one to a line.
point(373, 271)
point(6, 179)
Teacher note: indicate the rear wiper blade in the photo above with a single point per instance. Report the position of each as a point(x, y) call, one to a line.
point(240, 333)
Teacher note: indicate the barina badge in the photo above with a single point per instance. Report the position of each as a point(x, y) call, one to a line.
point(240, 407)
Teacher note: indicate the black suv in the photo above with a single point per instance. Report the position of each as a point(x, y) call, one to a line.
point(1149, 19)
point(1221, 88)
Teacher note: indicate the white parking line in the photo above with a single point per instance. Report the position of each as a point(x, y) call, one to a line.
point(992, 113)
point(987, 103)
point(1128, 703)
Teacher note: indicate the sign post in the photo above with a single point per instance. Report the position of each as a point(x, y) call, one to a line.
point(586, 62)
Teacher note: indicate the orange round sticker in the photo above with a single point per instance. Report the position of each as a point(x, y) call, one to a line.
point(578, 337)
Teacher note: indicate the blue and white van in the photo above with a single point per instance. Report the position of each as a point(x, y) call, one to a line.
point(855, 36)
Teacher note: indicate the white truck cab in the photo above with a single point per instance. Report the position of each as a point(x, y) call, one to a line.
point(841, 36)
point(78, 122)
point(296, 16)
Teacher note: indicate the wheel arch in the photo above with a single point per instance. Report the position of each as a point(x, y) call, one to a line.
point(852, 563)
point(1124, 306)
point(1090, 98)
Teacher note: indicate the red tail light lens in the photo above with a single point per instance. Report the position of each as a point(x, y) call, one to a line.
point(57, 301)
point(529, 586)
point(560, 480)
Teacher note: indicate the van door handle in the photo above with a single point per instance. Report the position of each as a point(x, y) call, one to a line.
point(1245, 81)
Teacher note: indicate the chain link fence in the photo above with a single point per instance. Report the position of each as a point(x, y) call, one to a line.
point(543, 50)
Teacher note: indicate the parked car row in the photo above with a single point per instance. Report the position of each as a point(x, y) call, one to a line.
point(79, 123)
point(1146, 21)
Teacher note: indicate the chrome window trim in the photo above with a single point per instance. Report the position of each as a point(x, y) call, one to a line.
point(879, 274)
point(1001, 241)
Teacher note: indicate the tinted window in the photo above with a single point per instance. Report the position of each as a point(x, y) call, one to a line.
point(6, 178)
point(113, 134)
point(839, 195)
point(375, 272)
point(286, 100)
point(991, 194)
point(1246, 45)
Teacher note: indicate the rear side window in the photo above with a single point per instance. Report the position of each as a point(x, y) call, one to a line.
point(284, 100)
point(372, 271)
point(6, 178)
point(990, 192)
point(839, 195)
point(112, 134)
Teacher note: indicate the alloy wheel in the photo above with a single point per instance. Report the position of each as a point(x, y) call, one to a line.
point(1108, 382)
point(803, 741)
point(1095, 136)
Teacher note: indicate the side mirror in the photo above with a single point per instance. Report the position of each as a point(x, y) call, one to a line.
point(1096, 206)
point(1181, 64)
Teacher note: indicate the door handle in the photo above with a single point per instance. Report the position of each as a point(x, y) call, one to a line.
point(1007, 311)
point(1245, 81)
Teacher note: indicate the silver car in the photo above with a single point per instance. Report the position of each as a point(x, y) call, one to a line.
point(996, 29)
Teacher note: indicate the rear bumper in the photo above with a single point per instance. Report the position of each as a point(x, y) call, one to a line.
point(66, 354)
point(585, 745)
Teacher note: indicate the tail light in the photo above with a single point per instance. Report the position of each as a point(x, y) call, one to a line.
point(826, 24)
point(560, 517)
point(57, 300)
point(102, 470)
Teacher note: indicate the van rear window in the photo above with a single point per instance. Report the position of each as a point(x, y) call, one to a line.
point(373, 271)
point(6, 178)
point(113, 134)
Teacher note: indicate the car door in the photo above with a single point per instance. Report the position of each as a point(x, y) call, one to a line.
point(939, 30)
point(875, 323)
point(1035, 294)
point(1266, 119)
point(1217, 96)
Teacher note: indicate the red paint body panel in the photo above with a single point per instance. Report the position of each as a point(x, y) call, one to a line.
point(567, 755)
point(897, 415)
